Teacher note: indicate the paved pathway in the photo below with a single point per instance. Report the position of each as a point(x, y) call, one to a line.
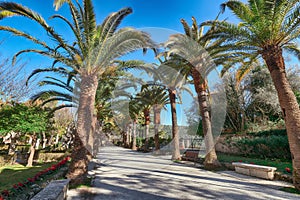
point(126, 175)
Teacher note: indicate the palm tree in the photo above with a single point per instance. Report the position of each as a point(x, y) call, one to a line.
point(135, 108)
point(266, 29)
point(198, 56)
point(94, 49)
point(171, 77)
point(157, 98)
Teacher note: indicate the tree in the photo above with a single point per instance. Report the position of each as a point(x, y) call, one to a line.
point(96, 47)
point(266, 29)
point(236, 109)
point(134, 112)
point(199, 56)
point(12, 83)
point(170, 76)
point(27, 120)
point(157, 97)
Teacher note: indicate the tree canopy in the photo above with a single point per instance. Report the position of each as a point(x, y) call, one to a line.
point(22, 118)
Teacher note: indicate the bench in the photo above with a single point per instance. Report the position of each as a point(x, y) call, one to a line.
point(55, 190)
point(191, 155)
point(265, 172)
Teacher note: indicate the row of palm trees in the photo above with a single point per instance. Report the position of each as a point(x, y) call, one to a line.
point(266, 28)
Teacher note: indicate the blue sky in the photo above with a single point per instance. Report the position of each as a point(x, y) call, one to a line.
point(162, 15)
point(146, 13)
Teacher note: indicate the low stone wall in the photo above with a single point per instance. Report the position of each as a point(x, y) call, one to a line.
point(55, 190)
point(7, 159)
point(40, 157)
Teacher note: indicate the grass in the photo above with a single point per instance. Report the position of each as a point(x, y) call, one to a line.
point(290, 190)
point(13, 174)
point(280, 165)
point(86, 184)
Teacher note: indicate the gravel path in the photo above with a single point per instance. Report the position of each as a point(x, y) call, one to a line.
point(122, 174)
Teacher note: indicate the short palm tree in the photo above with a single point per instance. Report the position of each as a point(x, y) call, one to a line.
point(134, 112)
point(157, 97)
point(94, 49)
point(267, 28)
point(145, 106)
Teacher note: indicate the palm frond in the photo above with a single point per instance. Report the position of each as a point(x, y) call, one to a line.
point(77, 17)
point(112, 22)
point(89, 22)
point(240, 9)
point(21, 10)
point(25, 35)
point(124, 41)
point(50, 93)
point(5, 14)
point(56, 82)
point(186, 27)
point(291, 23)
point(58, 3)
point(293, 49)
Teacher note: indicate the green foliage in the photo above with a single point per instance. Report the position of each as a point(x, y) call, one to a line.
point(290, 190)
point(275, 132)
point(271, 144)
point(21, 118)
point(139, 141)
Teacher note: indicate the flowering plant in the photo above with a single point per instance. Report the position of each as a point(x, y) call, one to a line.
point(19, 187)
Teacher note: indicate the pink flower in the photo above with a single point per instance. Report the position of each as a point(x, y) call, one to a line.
point(21, 184)
point(1, 198)
point(15, 186)
point(240, 161)
point(288, 170)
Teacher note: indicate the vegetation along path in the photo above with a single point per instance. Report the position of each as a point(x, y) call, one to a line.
point(125, 174)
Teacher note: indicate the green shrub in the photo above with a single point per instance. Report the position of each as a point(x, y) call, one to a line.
point(264, 146)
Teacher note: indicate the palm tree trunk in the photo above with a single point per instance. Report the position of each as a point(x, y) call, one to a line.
point(211, 159)
point(134, 135)
point(127, 136)
point(289, 105)
point(157, 110)
point(147, 124)
point(175, 134)
point(85, 129)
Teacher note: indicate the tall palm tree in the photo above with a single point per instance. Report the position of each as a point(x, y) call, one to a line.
point(267, 28)
point(198, 56)
point(170, 75)
point(94, 49)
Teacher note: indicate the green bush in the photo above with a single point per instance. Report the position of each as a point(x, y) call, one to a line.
point(277, 132)
point(264, 146)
